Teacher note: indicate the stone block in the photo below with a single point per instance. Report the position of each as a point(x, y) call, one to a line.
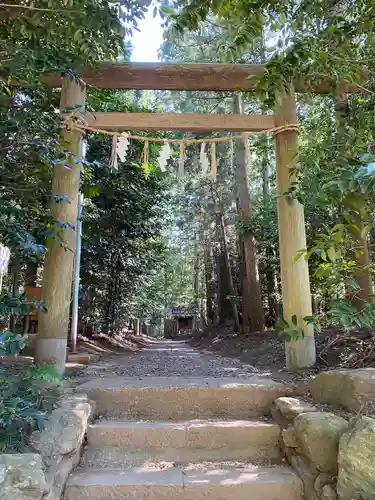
point(351, 389)
point(356, 477)
point(22, 477)
point(322, 480)
point(318, 434)
point(306, 475)
point(289, 438)
point(292, 407)
point(328, 493)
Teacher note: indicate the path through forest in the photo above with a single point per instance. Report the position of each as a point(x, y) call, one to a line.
point(169, 358)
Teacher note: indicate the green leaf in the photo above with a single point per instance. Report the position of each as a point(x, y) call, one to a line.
point(331, 252)
point(299, 254)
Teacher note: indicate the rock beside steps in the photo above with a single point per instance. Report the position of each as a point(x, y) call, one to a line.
point(183, 439)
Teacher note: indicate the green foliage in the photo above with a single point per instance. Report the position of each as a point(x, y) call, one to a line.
point(49, 36)
point(345, 314)
point(22, 397)
point(245, 225)
point(60, 35)
point(342, 313)
point(328, 246)
point(44, 372)
point(314, 40)
point(22, 408)
point(331, 263)
point(19, 305)
point(122, 251)
point(11, 344)
point(289, 331)
point(170, 284)
point(56, 36)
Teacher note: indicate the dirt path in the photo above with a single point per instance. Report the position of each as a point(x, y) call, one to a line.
point(171, 358)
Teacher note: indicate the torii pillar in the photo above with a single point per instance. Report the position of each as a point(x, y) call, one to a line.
point(53, 326)
point(292, 235)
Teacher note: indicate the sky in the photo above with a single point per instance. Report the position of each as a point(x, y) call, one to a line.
point(148, 39)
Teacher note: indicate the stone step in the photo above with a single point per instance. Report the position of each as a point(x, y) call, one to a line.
point(244, 439)
point(110, 457)
point(173, 483)
point(174, 398)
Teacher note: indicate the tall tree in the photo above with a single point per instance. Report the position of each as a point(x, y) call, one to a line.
point(252, 307)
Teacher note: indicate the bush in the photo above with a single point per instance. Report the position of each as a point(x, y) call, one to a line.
point(11, 344)
point(23, 399)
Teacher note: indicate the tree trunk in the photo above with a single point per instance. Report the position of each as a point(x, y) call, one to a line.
point(31, 275)
point(244, 284)
point(265, 173)
point(210, 292)
point(363, 276)
point(252, 308)
point(196, 275)
point(86, 307)
point(107, 314)
point(269, 271)
point(224, 307)
point(229, 272)
point(294, 274)
point(58, 269)
point(15, 273)
point(113, 301)
point(137, 329)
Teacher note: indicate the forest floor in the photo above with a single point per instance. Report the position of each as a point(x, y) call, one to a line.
point(105, 344)
point(89, 349)
point(264, 355)
point(265, 352)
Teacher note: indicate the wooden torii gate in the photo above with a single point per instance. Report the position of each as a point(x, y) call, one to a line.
point(53, 326)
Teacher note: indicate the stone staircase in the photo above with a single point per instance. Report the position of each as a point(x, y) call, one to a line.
point(160, 438)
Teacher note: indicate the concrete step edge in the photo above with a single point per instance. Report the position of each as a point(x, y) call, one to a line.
point(109, 457)
point(229, 484)
point(185, 434)
point(119, 383)
point(125, 424)
point(171, 399)
point(176, 476)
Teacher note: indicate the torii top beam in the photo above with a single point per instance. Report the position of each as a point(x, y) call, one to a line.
point(161, 76)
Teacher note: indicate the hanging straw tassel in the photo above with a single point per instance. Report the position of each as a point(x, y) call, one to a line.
point(203, 159)
point(122, 146)
point(145, 152)
point(213, 161)
point(113, 164)
point(181, 162)
point(164, 155)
